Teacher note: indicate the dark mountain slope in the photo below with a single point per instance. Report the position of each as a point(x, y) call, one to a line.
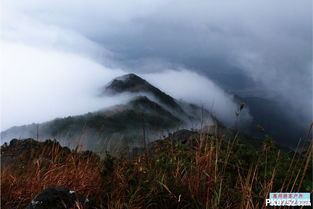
point(150, 114)
point(93, 129)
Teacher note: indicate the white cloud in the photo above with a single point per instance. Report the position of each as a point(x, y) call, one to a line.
point(38, 85)
point(194, 88)
point(70, 42)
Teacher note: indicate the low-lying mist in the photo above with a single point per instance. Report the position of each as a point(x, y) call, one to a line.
point(41, 85)
point(194, 88)
point(46, 84)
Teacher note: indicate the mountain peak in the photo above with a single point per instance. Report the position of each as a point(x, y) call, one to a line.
point(127, 83)
point(131, 76)
point(132, 83)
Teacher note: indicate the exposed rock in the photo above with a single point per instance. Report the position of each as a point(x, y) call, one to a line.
point(60, 198)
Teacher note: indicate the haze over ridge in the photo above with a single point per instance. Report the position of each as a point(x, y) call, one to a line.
point(245, 47)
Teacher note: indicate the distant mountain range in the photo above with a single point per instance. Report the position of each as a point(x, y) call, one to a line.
point(149, 115)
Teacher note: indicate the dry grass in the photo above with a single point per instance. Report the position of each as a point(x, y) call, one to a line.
point(20, 185)
point(212, 173)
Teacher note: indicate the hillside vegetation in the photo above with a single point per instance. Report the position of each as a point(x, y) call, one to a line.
point(203, 171)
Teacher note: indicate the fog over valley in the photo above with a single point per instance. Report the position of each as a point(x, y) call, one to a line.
point(56, 56)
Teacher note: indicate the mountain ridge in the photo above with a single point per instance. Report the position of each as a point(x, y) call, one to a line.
point(149, 114)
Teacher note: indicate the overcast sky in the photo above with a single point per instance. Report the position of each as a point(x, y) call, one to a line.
point(56, 54)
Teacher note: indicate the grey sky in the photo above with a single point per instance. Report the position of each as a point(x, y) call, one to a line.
point(247, 47)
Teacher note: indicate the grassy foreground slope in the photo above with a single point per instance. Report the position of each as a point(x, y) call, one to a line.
point(204, 172)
